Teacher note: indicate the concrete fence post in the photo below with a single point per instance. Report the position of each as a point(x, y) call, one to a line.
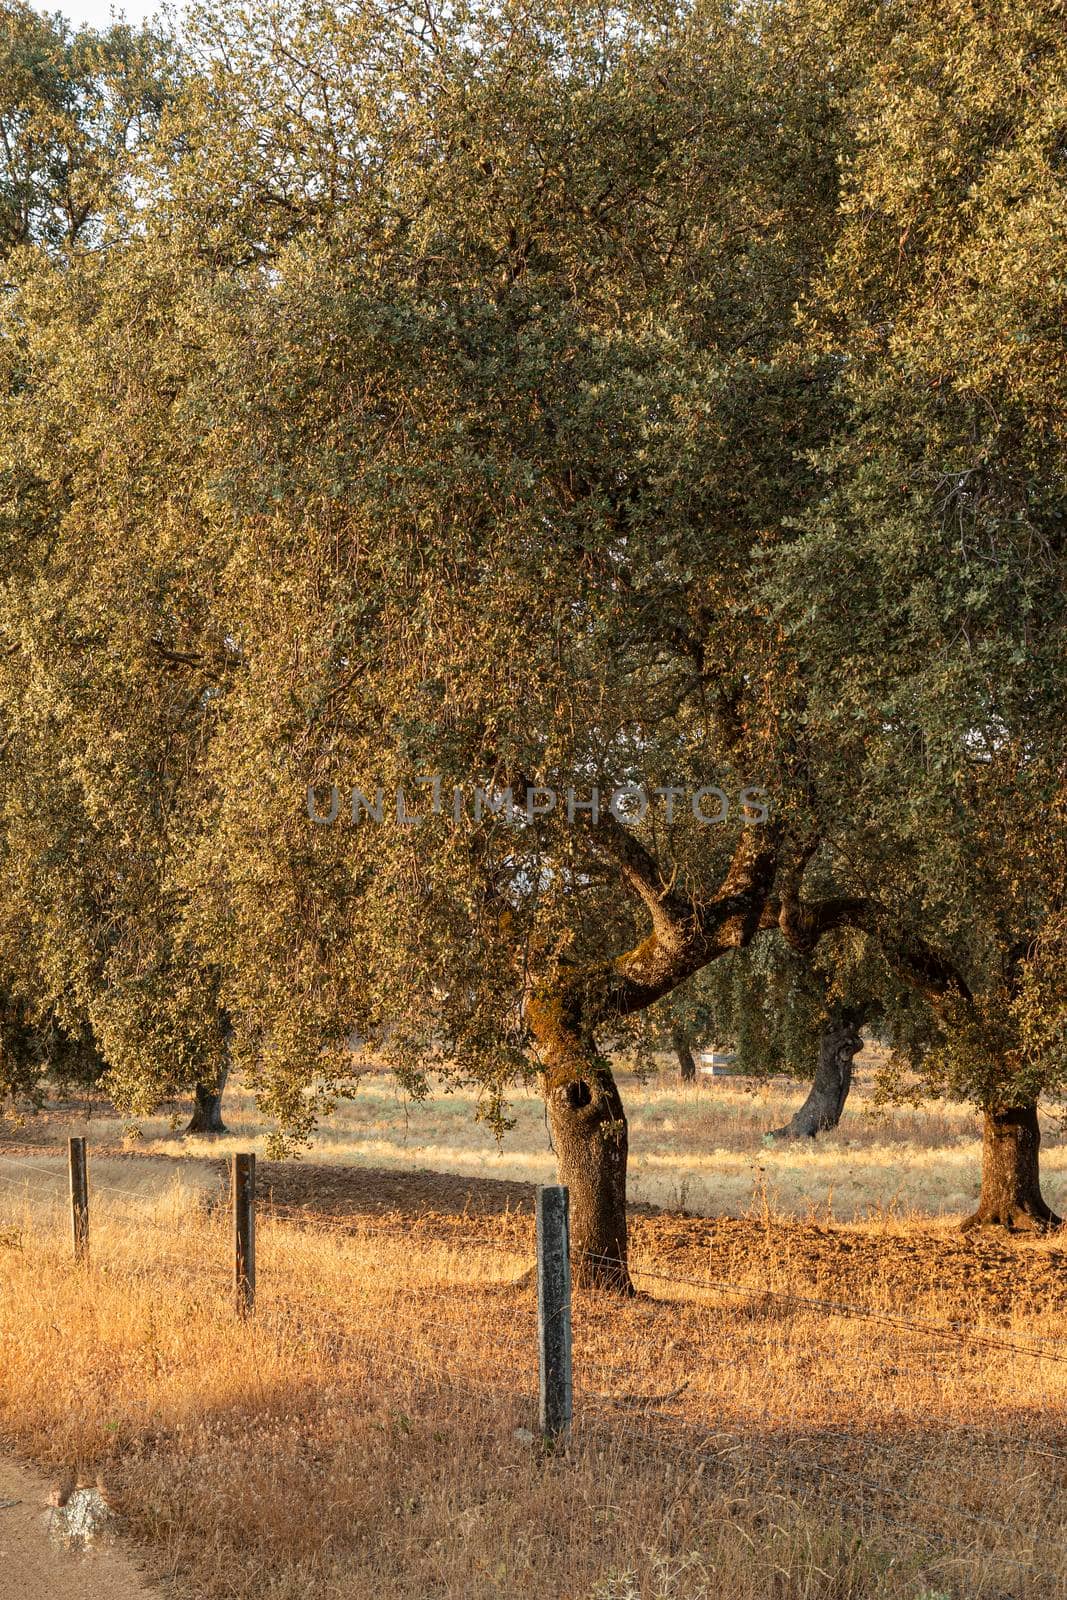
point(554, 1310)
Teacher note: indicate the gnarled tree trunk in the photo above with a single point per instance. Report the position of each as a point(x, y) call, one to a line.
point(207, 1106)
point(1011, 1186)
point(687, 1067)
point(839, 1045)
point(589, 1136)
point(566, 1006)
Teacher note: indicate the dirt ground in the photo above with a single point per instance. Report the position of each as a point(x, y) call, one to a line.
point(931, 1447)
point(907, 1267)
point(33, 1568)
point(988, 1275)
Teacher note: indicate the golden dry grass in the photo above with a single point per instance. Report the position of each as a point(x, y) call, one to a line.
point(358, 1438)
point(699, 1149)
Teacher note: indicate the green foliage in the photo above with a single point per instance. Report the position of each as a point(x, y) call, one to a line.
point(526, 397)
point(770, 1003)
point(73, 107)
point(924, 593)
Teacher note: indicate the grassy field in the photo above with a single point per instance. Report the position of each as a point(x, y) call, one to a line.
point(699, 1149)
point(793, 1408)
point(371, 1432)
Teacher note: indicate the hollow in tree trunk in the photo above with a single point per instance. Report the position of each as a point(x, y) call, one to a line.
point(839, 1045)
point(687, 1067)
point(207, 1107)
point(565, 1008)
point(1011, 1186)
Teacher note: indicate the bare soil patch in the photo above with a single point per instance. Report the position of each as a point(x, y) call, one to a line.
point(33, 1568)
point(986, 1275)
point(907, 1268)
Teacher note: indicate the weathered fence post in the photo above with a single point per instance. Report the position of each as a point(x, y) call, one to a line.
point(554, 1310)
point(244, 1233)
point(79, 1198)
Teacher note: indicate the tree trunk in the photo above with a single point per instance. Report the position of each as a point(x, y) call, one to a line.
point(687, 1067)
point(1011, 1187)
point(839, 1045)
point(565, 1007)
point(207, 1108)
point(590, 1138)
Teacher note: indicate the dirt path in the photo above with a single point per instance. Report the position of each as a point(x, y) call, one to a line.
point(33, 1568)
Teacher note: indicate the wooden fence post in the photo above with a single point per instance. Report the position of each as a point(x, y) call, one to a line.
point(244, 1233)
point(79, 1198)
point(554, 1310)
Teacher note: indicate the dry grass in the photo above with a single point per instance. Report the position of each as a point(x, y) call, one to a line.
point(369, 1433)
point(141, 1186)
point(358, 1438)
point(699, 1149)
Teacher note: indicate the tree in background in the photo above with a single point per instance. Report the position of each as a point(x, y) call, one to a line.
point(784, 1016)
point(101, 734)
point(782, 1012)
point(73, 106)
point(840, 1042)
point(926, 596)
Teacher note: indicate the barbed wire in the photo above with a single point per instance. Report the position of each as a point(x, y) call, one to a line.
point(1037, 1348)
point(40, 1166)
point(510, 1358)
point(59, 1174)
point(361, 1222)
point(20, 1183)
point(848, 1309)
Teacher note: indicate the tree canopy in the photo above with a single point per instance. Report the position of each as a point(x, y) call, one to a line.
point(498, 404)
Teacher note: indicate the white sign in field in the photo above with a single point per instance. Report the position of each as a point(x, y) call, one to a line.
point(716, 1063)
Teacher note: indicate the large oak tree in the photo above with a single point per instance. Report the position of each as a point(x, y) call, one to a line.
point(505, 399)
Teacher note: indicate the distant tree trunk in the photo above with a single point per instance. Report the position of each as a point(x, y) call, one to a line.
point(1011, 1186)
point(687, 1067)
point(839, 1045)
point(207, 1107)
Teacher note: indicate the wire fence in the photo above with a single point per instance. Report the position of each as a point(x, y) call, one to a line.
point(503, 1359)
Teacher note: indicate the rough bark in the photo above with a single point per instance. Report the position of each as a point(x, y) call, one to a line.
point(207, 1107)
point(1011, 1187)
point(565, 1007)
point(590, 1137)
point(839, 1045)
point(687, 1067)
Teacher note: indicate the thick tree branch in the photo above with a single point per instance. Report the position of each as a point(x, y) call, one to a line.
point(804, 923)
point(685, 936)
